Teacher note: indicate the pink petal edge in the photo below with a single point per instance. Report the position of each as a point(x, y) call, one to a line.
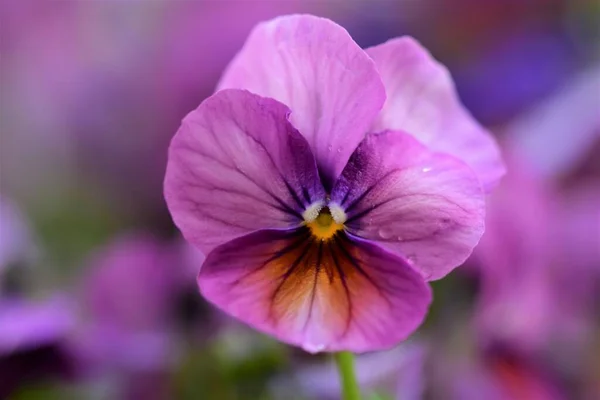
point(422, 101)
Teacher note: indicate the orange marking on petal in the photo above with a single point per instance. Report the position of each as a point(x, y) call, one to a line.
point(319, 294)
point(317, 283)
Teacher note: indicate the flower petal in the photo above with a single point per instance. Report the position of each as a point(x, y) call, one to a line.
point(341, 294)
point(422, 101)
point(428, 207)
point(312, 65)
point(237, 165)
point(28, 325)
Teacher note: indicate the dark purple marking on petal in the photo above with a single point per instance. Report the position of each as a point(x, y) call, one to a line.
point(338, 294)
point(237, 165)
point(426, 206)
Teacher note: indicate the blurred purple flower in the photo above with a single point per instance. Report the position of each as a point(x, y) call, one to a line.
point(534, 314)
point(578, 228)
point(126, 331)
point(134, 307)
point(575, 269)
point(536, 261)
point(34, 342)
point(128, 298)
point(25, 322)
point(561, 233)
point(514, 256)
point(499, 374)
point(543, 240)
point(299, 214)
point(34, 335)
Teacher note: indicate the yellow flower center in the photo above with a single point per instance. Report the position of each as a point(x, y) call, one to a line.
point(325, 225)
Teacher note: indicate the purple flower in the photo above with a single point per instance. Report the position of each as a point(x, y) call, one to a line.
point(535, 311)
point(578, 228)
point(34, 335)
point(129, 297)
point(499, 374)
point(513, 259)
point(316, 231)
point(34, 342)
point(129, 302)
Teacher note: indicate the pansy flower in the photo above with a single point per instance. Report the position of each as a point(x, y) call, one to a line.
point(33, 334)
point(34, 342)
point(129, 301)
point(533, 315)
point(499, 373)
point(327, 184)
point(129, 296)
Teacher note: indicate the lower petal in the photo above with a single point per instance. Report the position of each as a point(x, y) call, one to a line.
point(339, 294)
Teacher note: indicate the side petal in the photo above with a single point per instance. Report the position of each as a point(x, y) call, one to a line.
point(422, 100)
point(428, 207)
point(341, 294)
point(237, 165)
point(312, 65)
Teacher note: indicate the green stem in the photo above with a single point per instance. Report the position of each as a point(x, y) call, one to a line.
point(345, 364)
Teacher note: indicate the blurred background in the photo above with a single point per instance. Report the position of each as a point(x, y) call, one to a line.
point(98, 298)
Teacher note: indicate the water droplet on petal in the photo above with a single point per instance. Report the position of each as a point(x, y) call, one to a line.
point(330, 147)
point(426, 169)
point(385, 233)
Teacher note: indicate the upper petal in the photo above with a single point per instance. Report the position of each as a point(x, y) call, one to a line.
point(428, 207)
point(312, 65)
point(341, 294)
point(237, 165)
point(422, 100)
